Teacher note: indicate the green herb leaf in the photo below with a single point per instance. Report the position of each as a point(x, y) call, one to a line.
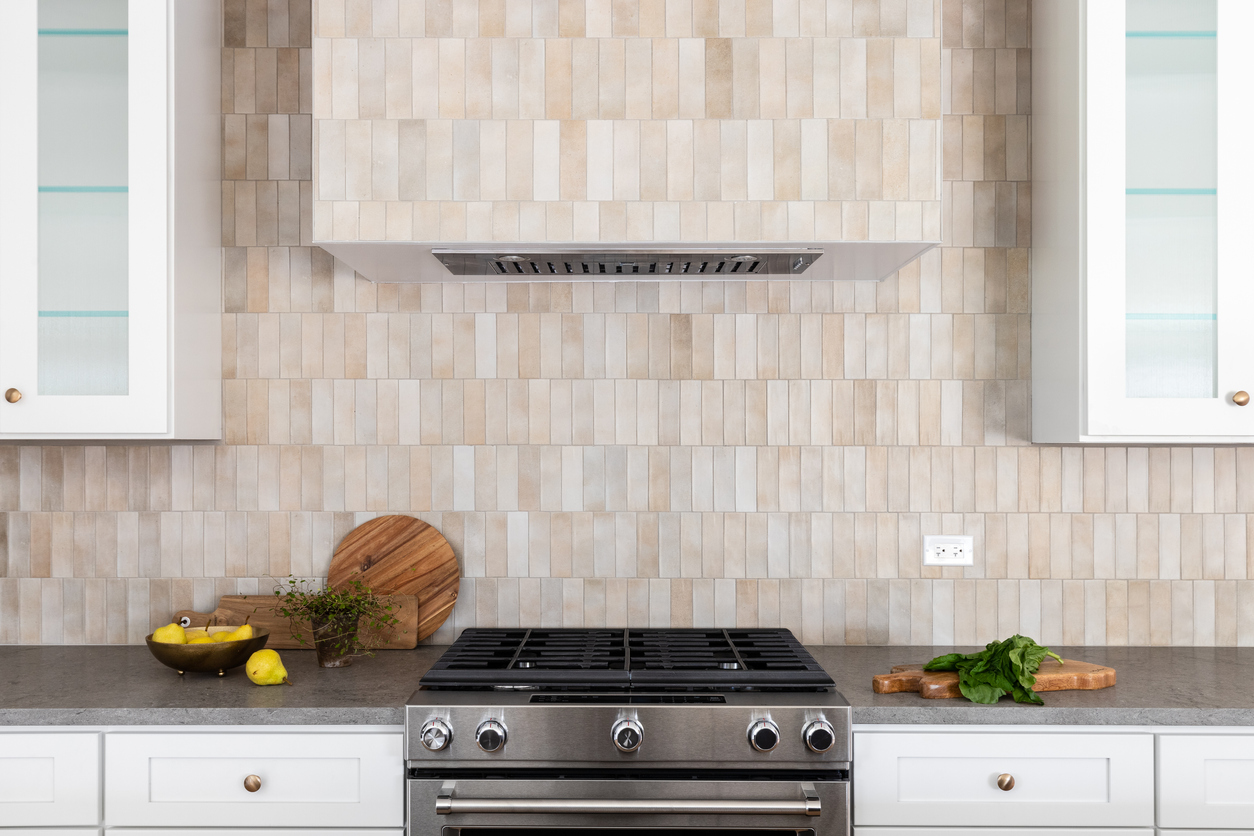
point(948, 662)
point(1006, 667)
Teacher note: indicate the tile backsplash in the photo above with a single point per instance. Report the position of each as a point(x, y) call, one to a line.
point(738, 453)
point(627, 120)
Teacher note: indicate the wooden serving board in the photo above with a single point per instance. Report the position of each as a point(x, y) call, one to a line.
point(943, 685)
point(258, 609)
point(400, 554)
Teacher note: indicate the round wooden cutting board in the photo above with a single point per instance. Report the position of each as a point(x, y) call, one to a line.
point(401, 555)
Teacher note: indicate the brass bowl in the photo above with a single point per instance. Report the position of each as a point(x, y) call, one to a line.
point(208, 658)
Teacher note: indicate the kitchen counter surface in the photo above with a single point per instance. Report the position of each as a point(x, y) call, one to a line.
point(126, 686)
point(1158, 686)
point(102, 686)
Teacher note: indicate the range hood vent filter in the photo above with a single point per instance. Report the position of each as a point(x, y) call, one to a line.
point(524, 266)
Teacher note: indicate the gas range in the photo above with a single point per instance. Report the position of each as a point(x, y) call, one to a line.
point(627, 729)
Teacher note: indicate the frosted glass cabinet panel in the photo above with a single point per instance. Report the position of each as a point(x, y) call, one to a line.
point(83, 341)
point(109, 264)
point(1141, 287)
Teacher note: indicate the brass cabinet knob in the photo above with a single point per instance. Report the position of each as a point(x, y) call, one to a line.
point(1240, 398)
point(13, 396)
point(252, 783)
point(1005, 782)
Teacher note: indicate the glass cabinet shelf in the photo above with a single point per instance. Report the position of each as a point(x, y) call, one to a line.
point(84, 33)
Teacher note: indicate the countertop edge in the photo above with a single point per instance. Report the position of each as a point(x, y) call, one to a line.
point(202, 716)
point(1016, 716)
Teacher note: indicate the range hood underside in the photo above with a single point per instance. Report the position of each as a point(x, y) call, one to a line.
point(383, 261)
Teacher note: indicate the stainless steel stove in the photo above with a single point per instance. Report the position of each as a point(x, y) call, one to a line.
point(627, 731)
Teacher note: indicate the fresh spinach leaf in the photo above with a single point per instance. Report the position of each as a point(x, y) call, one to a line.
point(1006, 667)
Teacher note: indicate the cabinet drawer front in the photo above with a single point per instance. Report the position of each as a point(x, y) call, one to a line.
point(49, 779)
point(949, 778)
point(1205, 780)
point(1019, 831)
point(315, 779)
point(237, 831)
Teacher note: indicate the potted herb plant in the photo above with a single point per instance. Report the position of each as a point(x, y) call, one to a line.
point(344, 623)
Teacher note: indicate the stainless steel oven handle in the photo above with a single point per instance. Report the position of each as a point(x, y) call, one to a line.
point(446, 804)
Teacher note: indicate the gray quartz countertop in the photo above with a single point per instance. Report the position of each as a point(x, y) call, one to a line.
point(103, 686)
point(1157, 686)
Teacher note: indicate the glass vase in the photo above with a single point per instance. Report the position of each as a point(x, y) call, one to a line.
point(334, 641)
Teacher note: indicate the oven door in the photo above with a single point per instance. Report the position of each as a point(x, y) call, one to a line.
point(521, 807)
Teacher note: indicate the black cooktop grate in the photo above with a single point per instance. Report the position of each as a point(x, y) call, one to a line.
point(760, 659)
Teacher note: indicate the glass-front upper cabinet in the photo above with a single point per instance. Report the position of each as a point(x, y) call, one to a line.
point(99, 287)
point(1142, 290)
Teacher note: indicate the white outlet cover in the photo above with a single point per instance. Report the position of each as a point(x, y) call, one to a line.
point(948, 550)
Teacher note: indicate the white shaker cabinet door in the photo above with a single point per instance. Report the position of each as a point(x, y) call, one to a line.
point(1142, 289)
point(1206, 781)
point(83, 217)
point(49, 779)
point(110, 245)
point(327, 779)
point(951, 779)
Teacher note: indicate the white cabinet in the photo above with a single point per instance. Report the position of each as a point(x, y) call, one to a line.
point(110, 257)
point(240, 831)
point(49, 780)
point(1011, 831)
point(1206, 781)
point(1143, 290)
point(298, 779)
point(951, 779)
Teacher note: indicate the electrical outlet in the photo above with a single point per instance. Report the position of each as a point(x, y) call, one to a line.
point(948, 550)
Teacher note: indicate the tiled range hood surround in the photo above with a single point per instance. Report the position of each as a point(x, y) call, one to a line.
point(566, 126)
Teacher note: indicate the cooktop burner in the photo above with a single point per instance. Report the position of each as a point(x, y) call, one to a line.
point(761, 659)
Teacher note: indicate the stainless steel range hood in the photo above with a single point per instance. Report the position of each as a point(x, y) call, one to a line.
point(387, 261)
point(654, 141)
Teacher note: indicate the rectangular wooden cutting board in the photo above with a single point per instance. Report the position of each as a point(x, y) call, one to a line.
point(258, 609)
point(943, 685)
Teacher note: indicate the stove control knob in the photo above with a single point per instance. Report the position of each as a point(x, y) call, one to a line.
point(763, 735)
point(435, 735)
point(628, 734)
point(819, 736)
point(490, 735)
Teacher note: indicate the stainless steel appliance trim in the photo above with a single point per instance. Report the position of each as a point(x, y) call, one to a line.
point(541, 735)
point(808, 805)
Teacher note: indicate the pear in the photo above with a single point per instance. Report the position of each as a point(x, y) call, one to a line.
point(202, 639)
point(244, 633)
point(202, 632)
point(170, 634)
point(266, 668)
point(239, 634)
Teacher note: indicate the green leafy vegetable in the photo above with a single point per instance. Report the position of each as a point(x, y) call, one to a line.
point(1007, 667)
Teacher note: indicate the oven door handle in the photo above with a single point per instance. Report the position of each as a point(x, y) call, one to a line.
point(808, 805)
